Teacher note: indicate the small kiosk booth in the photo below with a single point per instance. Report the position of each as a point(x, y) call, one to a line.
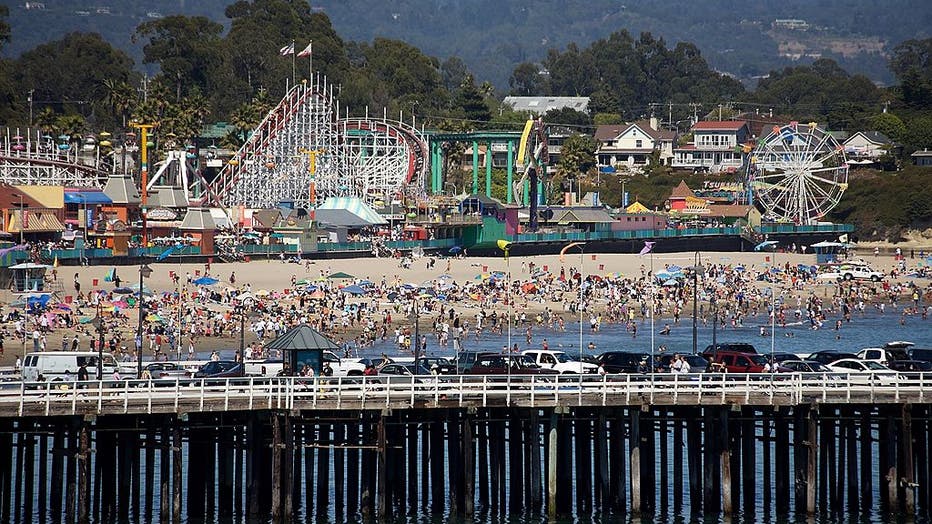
point(28, 277)
point(300, 346)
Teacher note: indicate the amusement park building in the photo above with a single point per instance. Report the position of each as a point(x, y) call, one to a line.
point(539, 105)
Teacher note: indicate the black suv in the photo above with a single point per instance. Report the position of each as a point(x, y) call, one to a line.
point(828, 356)
point(737, 347)
point(621, 361)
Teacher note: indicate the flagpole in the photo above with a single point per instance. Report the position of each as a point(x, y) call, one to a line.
point(293, 74)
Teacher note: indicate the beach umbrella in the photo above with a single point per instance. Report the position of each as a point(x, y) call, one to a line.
point(353, 290)
point(121, 304)
point(392, 295)
point(153, 318)
point(366, 283)
point(455, 249)
point(445, 276)
point(123, 291)
point(85, 320)
point(674, 268)
point(262, 293)
point(317, 295)
point(205, 281)
point(671, 282)
point(339, 275)
point(303, 282)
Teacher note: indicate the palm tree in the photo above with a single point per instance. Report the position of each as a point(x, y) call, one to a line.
point(120, 96)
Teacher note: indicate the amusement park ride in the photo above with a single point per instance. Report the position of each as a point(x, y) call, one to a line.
point(303, 152)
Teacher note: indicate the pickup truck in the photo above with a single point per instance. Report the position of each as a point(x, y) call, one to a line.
point(854, 272)
point(559, 361)
point(344, 367)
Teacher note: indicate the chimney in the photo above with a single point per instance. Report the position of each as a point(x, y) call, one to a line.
point(653, 123)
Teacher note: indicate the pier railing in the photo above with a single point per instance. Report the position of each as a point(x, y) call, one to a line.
point(382, 392)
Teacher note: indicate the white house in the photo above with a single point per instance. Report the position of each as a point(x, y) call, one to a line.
point(631, 145)
point(867, 145)
point(716, 146)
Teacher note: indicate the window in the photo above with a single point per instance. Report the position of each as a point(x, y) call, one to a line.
point(638, 144)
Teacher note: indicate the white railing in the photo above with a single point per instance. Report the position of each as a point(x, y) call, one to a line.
point(253, 393)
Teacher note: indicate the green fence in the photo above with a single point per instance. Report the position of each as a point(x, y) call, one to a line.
point(820, 228)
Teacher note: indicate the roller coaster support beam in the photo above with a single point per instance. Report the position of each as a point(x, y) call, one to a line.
point(511, 169)
point(475, 167)
point(488, 168)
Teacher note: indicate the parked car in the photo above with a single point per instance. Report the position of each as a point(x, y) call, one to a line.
point(404, 370)
point(166, 370)
point(501, 364)
point(465, 359)
point(64, 365)
point(783, 357)
point(864, 371)
point(621, 361)
point(344, 367)
point(736, 361)
point(220, 369)
point(560, 361)
point(442, 364)
point(920, 354)
point(851, 272)
point(805, 366)
point(828, 356)
point(912, 368)
point(886, 354)
point(740, 347)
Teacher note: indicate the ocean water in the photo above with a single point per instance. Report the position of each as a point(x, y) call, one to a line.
point(868, 329)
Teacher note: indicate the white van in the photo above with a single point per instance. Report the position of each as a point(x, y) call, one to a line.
point(64, 365)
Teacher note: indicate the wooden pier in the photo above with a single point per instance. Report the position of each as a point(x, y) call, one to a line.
point(337, 450)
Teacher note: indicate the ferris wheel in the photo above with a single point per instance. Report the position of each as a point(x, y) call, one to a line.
point(798, 173)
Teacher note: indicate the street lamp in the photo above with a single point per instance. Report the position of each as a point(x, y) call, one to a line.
point(697, 267)
point(582, 249)
point(99, 324)
point(144, 271)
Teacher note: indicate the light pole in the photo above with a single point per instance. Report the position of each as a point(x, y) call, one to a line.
point(582, 252)
point(697, 267)
point(100, 342)
point(144, 271)
point(451, 184)
point(505, 246)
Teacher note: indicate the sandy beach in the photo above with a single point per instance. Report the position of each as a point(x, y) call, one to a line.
point(275, 276)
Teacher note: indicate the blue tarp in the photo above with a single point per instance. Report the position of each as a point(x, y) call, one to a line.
point(87, 197)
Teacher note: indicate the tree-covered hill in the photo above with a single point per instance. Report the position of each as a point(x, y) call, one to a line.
point(491, 37)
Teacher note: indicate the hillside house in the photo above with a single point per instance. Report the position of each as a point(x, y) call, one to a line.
point(716, 146)
point(867, 146)
point(631, 145)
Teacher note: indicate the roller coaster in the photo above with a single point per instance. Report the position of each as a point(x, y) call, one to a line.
point(303, 152)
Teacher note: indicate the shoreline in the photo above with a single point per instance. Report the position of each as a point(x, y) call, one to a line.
point(276, 277)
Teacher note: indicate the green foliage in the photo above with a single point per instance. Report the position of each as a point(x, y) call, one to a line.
point(69, 74)
point(568, 117)
point(4, 25)
point(919, 134)
point(604, 119)
point(878, 203)
point(890, 125)
point(622, 74)
point(577, 155)
point(822, 91)
point(912, 64)
point(187, 50)
point(471, 102)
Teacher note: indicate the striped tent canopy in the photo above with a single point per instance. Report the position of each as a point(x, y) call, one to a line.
point(355, 206)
